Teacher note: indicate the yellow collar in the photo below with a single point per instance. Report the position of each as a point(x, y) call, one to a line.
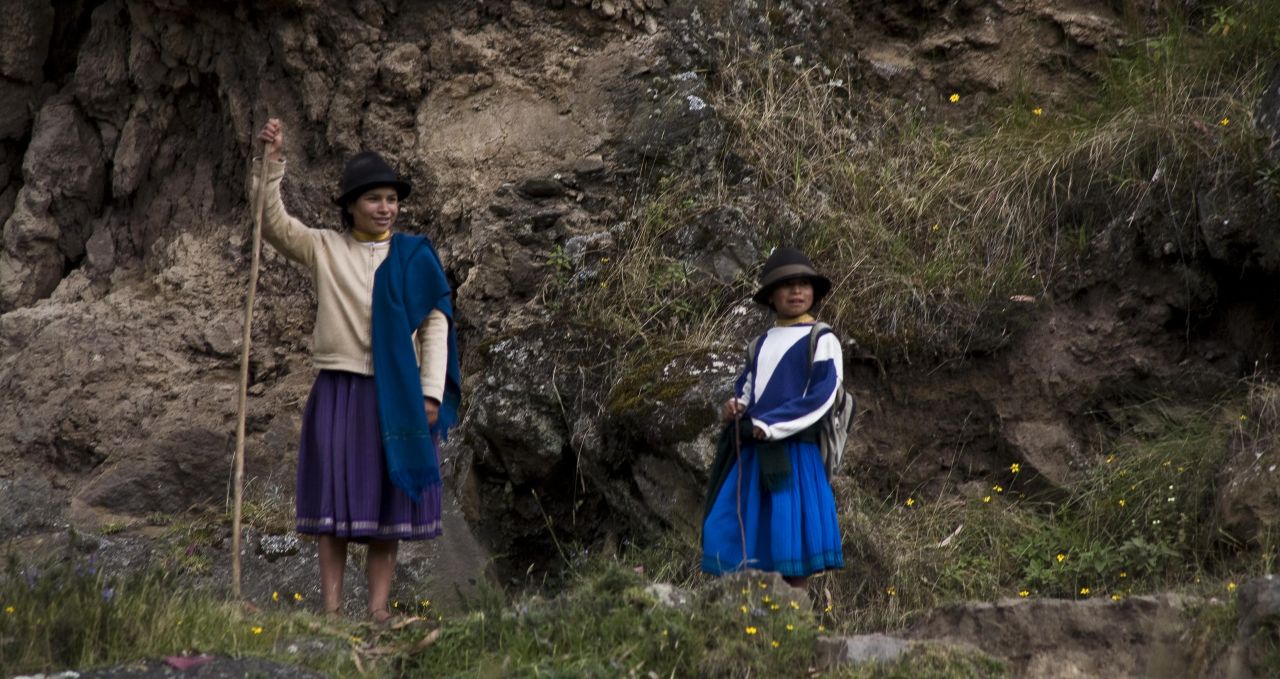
point(802, 318)
point(366, 238)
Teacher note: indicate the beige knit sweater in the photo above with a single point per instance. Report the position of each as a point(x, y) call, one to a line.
point(342, 270)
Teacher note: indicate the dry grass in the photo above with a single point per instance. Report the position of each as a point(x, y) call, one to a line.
point(929, 227)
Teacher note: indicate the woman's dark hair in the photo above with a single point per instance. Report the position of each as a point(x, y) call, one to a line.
point(347, 220)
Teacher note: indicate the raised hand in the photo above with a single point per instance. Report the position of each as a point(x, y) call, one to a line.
point(272, 135)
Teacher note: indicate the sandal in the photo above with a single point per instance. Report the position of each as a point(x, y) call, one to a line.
point(394, 621)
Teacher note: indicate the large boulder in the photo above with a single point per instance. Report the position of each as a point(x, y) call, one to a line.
point(1062, 638)
point(101, 79)
point(1247, 507)
point(24, 40)
point(1266, 117)
point(63, 182)
point(1251, 655)
point(179, 470)
point(30, 264)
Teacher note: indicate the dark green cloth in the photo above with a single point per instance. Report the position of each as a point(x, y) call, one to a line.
point(775, 466)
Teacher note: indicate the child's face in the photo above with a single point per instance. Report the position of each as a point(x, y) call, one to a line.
point(792, 298)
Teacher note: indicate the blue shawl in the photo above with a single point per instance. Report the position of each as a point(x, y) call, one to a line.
point(407, 286)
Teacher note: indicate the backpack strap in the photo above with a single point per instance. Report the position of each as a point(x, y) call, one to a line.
point(753, 350)
point(818, 330)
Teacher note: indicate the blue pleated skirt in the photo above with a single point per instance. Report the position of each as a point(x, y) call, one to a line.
point(343, 485)
point(793, 531)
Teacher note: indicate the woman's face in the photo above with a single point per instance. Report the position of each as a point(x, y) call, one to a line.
point(375, 210)
point(792, 298)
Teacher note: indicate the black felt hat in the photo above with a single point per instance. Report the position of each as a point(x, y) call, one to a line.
point(788, 264)
point(367, 170)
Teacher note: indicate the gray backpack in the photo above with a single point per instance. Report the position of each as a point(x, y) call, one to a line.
point(837, 424)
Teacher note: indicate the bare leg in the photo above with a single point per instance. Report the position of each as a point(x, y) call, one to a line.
point(797, 581)
point(333, 564)
point(380, 567)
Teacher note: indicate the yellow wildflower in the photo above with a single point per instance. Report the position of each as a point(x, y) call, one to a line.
point(911, 501)
point(827, 609)
point(765, 598)
point(743, 608)
point(1120, 502)
point(821, 628)
point(795, 606)
point(986, 499)
point(1231, 586)
point(1015, 467)
point(891, 591)
point(297, 596)
point(1111, 458)
point(1124, 574)
point(955, 98)
point(746, 591)
point(764, 585)
point(998, 488)
point(752, 630)
point(1061, 557)
point(425, 603)
point(1084, 591)
point(935, 226)
point(1024, 594)
point(255, 629)
point(774, 607)
point(790, 627)
point(1166, 463)
point(1037, 111)
point(9, 610)
point(275, 596)
point(1116, 597)
point(1243, 418)
point(774, 643)
point(1224, 122)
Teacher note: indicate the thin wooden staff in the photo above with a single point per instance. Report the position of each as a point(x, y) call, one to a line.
point(737, 449)
point(259, 208)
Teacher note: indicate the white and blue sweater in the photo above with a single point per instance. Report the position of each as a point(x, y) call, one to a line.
point(782, 396)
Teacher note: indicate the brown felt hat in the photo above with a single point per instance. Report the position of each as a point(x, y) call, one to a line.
point(787, 264)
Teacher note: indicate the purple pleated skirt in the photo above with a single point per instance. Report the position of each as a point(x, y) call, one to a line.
point(343, 486)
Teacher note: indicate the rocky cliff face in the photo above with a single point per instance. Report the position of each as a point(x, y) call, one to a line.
point(529, 129)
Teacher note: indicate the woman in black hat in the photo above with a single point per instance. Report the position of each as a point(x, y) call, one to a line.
point(774, 509)
point(368, 466)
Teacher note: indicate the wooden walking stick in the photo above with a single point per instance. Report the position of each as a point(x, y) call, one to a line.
point(259, 207)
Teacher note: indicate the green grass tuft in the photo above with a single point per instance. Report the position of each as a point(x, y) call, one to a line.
point(70, 615)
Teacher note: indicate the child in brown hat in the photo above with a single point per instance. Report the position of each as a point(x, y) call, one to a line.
point(772, 507)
